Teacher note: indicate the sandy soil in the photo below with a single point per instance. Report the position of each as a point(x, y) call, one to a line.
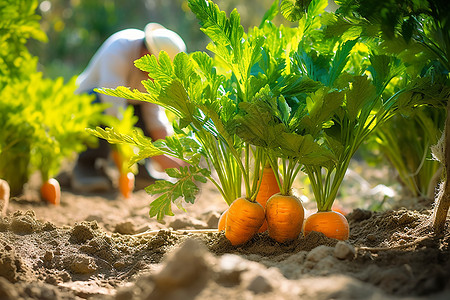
point(101, 246)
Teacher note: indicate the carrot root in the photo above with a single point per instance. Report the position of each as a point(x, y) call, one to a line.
point(269, 186)
point(284, 215)
point(244, 218)
point(51, 191)
point(5, 192)
point(222, 221)
point(331, 223)
point(126, 184)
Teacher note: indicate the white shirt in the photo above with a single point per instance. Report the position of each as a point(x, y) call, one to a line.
point(113, 66)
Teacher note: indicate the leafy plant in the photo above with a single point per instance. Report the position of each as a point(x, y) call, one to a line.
point(418, 32)
point(416, 167)
point(204, 94)
point(18, 24)
point(342, 113)
point(43, 122)
point(204, 102)
point(181, 146)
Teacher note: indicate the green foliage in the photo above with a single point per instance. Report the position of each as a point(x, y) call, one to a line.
point(295, 96)
point(181, 146)
point(416, 167)
point(418, 33)
point(408, 23)
point(206, 100)
point(169, 192)
point(18, 23)
point(124, 152)
point(43, 122)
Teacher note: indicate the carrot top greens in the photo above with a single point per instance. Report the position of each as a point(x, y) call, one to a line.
point(295, 97)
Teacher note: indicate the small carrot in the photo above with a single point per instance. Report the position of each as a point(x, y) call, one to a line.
point(117, 159)
point(244, 218)
point(5, 191)
point(269, 186)
point(284, 215)
point(51, 191)
point(126, 184)
point(222, 221)
point(331, 223)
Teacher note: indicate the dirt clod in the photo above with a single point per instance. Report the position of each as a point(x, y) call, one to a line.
point(81, 233)
point(344, 250)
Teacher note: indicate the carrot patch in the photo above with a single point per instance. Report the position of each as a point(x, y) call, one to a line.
point(331, 223)
point(51, 191)
point(244, 218)
point(222, 221)
point(269, 186)
point(284, 215)
point(126, 184)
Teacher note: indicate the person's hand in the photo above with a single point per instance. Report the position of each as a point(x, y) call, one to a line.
point(165, 162)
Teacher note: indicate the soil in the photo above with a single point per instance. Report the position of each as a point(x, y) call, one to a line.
point(102, 246)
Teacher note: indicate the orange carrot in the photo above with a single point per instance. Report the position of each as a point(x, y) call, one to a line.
point(117, 159)
point(284, 215)
point(331, 223)
point(51, 191)
point(244, 218)
point(126, 184)
point(4, 196)
point(222, 221)
point(269, 186)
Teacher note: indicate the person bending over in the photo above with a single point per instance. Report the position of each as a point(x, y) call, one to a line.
point(112, 66)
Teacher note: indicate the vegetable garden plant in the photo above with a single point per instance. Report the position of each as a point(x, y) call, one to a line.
point(42, 121)
point(418, 32)
point(287, 99)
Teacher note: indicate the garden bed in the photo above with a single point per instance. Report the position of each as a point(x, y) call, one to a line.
point(105, 247)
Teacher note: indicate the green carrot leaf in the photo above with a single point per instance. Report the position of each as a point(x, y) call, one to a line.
point(303, 149)
point(270, 13)
point(185, 187)
point(383, 68)
point(320, 106)
point(256, 125)
point(362, 91)
point(340, 60)
point(161, 207)
point(291, 11)
point(221, 30)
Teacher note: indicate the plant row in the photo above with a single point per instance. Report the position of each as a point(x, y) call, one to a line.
point(286, 99)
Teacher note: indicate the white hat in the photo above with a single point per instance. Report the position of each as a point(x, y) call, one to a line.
point(158, 37)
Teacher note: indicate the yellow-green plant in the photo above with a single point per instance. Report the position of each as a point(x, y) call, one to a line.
point(43, 122)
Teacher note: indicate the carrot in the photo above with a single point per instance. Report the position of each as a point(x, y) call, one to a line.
point(117, 159)
point(284, 215)
point(244, 218)
point(126, 184)
point(222, 221)
point(269, 186)
point(331, 223)
point(4, 195)
point(51, 191)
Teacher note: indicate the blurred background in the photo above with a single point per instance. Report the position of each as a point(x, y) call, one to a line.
point(77, 28)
